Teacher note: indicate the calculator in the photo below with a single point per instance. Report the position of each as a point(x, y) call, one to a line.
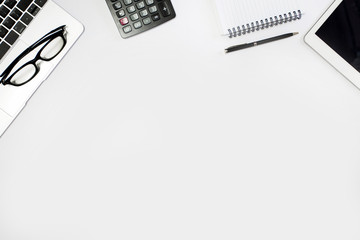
point(136, 16)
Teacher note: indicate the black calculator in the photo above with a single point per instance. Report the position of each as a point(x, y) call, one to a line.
point(136, 16)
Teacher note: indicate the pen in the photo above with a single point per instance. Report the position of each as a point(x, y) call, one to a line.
point(253, 44)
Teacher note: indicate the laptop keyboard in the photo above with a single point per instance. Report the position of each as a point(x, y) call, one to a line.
point(15, 16)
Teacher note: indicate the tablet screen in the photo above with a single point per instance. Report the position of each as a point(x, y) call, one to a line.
point(341, 31)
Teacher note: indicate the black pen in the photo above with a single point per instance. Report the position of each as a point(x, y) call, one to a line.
point(253, 44)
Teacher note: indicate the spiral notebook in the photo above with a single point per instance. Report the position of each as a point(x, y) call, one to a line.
point(239, 17)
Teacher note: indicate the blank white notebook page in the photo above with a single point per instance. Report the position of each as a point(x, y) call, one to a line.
point(234, 13)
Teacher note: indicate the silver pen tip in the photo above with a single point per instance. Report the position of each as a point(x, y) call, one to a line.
point(295, 33)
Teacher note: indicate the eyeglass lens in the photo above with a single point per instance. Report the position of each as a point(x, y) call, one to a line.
point(52, 48)
point(26, 72)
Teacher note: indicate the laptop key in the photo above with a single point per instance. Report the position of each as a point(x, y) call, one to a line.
point(26, 18)
point(10, 3)
point(16, 14)
point(4, 47)
point(3, 31)
point(4, 11)
point(9, 22)
point(23, 4)
point(19, 27)
point(33, 9)
point(12, 37)
point(41, 3)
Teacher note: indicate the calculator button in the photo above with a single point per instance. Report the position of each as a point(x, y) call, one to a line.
point(137, 25)
point(155, 17)
point(134, 17)
point(152, 9)
point(120, 13)
point(147, 21)
point(140, 5)
point(128, 2)
point(143, 13)
point(117, 6)
point(131, 9)
point(127, 29)
point(149, 2)
point(164, 8)
point(124, 21)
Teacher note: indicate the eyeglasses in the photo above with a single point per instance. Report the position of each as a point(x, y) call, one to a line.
point(17, 75)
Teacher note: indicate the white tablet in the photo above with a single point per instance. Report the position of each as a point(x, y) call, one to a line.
point(336, 37)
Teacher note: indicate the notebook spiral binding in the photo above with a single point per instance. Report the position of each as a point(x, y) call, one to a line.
point(265, 23)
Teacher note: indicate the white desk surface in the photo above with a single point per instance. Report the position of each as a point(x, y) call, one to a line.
point(163, 136)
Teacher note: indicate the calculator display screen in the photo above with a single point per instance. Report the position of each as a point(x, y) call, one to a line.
point(341, 31)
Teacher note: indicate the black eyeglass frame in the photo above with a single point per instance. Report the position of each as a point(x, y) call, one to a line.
point(57, 32)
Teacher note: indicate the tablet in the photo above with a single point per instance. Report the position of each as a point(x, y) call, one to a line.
point(336, 37)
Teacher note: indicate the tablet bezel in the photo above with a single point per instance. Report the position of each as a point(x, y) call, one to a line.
point(327, 52)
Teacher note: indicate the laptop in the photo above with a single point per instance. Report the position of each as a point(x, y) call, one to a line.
point(23, 22)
